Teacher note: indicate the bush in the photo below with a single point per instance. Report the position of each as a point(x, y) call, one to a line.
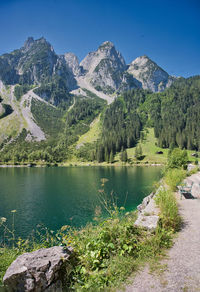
point(177, 158)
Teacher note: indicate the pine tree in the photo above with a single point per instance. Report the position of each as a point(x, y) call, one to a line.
point(125, 156)
point(111, 157)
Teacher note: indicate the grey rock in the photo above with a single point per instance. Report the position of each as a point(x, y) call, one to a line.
point(191, 166)
point(105, 68)
point(148, 222)
point(38, 271)
point(72, 63)
point(148, 216)
point(145, 202)
point(150, 74)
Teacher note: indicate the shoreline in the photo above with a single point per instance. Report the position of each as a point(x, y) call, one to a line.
point(78, 165)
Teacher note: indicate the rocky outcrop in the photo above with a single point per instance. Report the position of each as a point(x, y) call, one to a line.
point(41, 270)
point(149, 74)
point(105, 69)
point(36, 63)
point(148, 216)
point(72, 63)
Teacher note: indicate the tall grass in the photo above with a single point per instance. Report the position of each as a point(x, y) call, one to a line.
point(169, 214)
point(173, 177)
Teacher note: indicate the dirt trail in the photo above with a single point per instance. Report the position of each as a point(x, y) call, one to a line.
point(183, 262)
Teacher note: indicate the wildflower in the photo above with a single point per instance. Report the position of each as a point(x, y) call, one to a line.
point(100, 191)
point(64, 227)
point(3, 219)
point(13, 211)
point(104, 180)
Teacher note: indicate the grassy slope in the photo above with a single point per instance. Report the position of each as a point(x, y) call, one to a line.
point(10, 126)
point(149, 149)
point(93, 134)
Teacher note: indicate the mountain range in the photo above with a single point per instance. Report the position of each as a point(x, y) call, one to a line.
point(55, 100)
point(104, 71)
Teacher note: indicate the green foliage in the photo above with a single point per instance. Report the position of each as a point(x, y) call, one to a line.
point(124, 156)
point(21, 90)
point(103, 245)
point(175, 114)
point(170, 218)
point(173, 177)
point(138, 152)
point(85, 110)
point(86, 152)
point(55, 92)
point(49, 118)
point(122, 123)
point(7, 256)
point(62, 129)
point(7, 110)
point(193, 171)
point(177, 158)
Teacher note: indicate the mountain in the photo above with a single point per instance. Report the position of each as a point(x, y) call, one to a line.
point(36, 63)
point(150, 74)
point(51, 105)
point(104, 67)
point(103, 72)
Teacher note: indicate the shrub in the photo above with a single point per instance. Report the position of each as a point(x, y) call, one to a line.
point(177, 158)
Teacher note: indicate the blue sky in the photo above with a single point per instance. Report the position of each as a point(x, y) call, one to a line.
point(168, 31)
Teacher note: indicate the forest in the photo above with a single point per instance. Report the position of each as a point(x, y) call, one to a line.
point(174, 114)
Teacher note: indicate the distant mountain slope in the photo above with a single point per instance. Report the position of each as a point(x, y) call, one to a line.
point(104, 72)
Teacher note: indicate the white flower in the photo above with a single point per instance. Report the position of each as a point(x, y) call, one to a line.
point(3, 219)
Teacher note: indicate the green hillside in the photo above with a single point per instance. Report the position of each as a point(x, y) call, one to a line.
point(91, 131)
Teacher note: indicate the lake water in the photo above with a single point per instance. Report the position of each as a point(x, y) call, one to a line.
point(68, 195)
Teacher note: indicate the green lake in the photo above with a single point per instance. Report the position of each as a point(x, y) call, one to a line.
point(68, 195)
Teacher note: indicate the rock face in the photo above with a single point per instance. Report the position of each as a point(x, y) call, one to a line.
point(38, 271)
point(149, 74)
point(105, 69)
point(37, 63)
point(72, 63)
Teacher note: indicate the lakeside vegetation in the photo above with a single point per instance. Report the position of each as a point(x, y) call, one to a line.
point(104, 250)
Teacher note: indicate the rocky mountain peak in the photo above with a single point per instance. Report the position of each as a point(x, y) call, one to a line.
point(149, 74)
point(107, 45)
point(106, 51)
point(28, 43)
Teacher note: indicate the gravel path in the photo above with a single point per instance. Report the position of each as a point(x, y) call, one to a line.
point(183, 264)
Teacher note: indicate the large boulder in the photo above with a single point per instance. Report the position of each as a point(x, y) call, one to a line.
point(41, 270)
